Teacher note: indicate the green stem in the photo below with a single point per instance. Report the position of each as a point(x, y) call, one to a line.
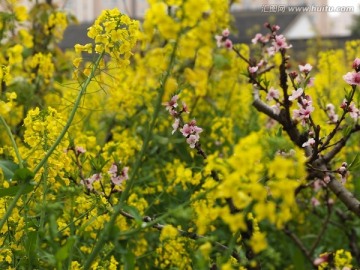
point(8, 131)
point(117, 209)
point(12, 205)
point(136, 167)
point(58, 140)
point(71, 116)
point(44, 203)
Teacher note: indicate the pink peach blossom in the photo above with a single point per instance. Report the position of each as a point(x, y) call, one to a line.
point(305, 68)
point(352, 78)
point(296, 94)
point(272, 94)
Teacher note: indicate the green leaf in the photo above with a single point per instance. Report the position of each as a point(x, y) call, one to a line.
point(129, 260)
point(11, 191)
point(267, 83)
point(23, 175)
point(53, 228)
point(279, 132)
point(347, 94)
point(355, 163)
point(98, 163)
point(346, 131)
point(63, 253)
point(30, 244)
point(220, 61)
point(8, 167)
point(183, 213)
point(161, 139)
point(134, 212)
point(299, 260)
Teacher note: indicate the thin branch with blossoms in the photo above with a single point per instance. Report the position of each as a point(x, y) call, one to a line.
point(191, 235)
point(311, 142)
point(337, 146)
point(117, 178)
point(346, 107)
point(191, 129)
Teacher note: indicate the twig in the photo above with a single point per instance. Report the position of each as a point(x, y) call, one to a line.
point(288, 125)
point(267, 69)
point(323, 228)
point(264, 108)
point(241, 56)
point(334, 131)
point(320, 164)
point(351, 234)
point(284, 85)
point(303, 186)
point(340, 144)
point(300, 244)
point(193, 236)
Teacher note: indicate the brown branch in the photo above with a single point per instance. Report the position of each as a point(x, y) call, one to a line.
point(241, 56)
point(353, 243)
point(320, 163)
point(283, 84)
point(345, 196)
point(338, 189)
point(264, 108)
point(267, 69)
point(351, 234)
point(299, 243)
point(288, 125)
point(200, 151)
point(303, 186)
point(340, 144)
point(336, 128)
point(324, 226)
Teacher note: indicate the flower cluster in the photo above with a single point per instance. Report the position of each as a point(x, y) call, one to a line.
point(305, 106)
point(43, 65)
point(56, 25)
point(88, 182)
point(309, 142)
point(278, 43)
point(330, 111)
point(272, 94)
point(340, 259)
point(302, 79)
point(42, 127)
point(223, 40)
point(353, 78)
point(260, 38)
point(222, 207)
point(5, 107)
point(115, 34)
point(351, 109)
point(117, 176)
point(305, 68)
point(190, 130)
point(172, 251)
